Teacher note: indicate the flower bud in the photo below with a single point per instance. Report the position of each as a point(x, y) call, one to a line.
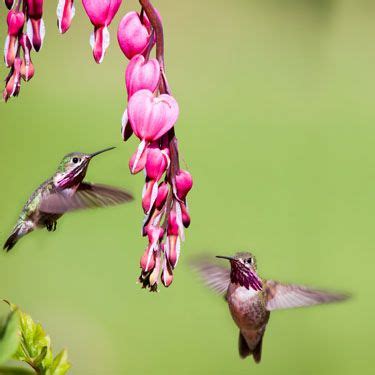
point(138, 160)
point(15, 21)
point(184, 183)
point(133, 34)
point(166, 274)
point(147, 261)
point(13, 81)
point(65, 13)
point(27, 67)
point(9, 3)
point(172, 223)
point(141, 74)
point(151, 117)
point(156, 163)
point(185, 215)
point(153, 279)
point(163, 191)
point(149, 194)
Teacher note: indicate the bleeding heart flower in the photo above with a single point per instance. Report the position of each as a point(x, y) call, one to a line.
point(163, 191)
point(149, 195)
point(133, 34)
point(15, 21)
point(13, 81)
point(167, 273)
point(151, 117)
point(184, 183)
point(35, 25)
point(156, 163)
point(141, 74)
point(9, 3)
point(65, 13)
point(27, 67)
point(101, 13)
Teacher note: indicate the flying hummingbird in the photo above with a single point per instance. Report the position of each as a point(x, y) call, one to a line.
point(251, 299)
point(64, 191)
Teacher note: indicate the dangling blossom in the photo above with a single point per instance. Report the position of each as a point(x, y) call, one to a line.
point(27, 67)
point(13, 81)
point(35, 24)
point(134, 34)
point(15, 21)
point(65, 13)
point(101, 13)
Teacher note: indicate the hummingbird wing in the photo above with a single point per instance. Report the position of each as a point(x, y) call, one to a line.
point(86, 196)
point(285, 296)
point(214, 276)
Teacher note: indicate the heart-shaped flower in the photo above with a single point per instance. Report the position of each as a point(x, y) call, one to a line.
point(141, 74)
point(151, 117)
point(15, 21)
point(133, 34)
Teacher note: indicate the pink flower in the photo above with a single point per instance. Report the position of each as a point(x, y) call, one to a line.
point(184, 183)
point(141, 74)
point(167, 273)
point(15, 21)
point(149, 195)
point(65, 13)
point(101, 13)
point(137, 163)
point(133, 34)
point(151, 117)
point(27, 67)
point(13, 81)
point(156, 163)
point(9, 3)
point(35, 25)
point(161, 198)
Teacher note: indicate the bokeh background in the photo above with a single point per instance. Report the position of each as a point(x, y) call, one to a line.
point(277, 127)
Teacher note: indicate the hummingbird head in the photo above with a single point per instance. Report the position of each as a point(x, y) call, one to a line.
point(243, 270)
point(72, 168)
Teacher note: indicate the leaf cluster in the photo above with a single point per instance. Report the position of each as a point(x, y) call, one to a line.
point(24, 340)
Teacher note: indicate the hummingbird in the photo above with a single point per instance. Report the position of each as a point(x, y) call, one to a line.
point(251, 299)
point(65, 191)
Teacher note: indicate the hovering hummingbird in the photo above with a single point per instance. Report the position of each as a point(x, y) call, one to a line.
point(64, 191)
point(250, 298)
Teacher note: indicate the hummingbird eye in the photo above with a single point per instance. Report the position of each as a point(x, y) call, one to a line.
point(249, 260)
point(75, 160)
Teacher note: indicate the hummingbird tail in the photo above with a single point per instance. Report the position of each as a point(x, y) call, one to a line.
point(19, 231)
point(12, 240)
point(245, 351)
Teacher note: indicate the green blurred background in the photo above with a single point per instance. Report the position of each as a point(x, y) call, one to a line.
point(277, 127)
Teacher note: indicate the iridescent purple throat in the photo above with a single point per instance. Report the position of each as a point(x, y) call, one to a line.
point(244, 276)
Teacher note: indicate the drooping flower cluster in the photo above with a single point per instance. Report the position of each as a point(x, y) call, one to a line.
point(26, 32)
point(151, 115)
point(22, 15)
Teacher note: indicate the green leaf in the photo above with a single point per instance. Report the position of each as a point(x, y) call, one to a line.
point(60, 365)
point(9, 337)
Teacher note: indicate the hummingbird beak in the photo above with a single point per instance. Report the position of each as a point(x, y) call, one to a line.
point(225, 257)
point(101, 151)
